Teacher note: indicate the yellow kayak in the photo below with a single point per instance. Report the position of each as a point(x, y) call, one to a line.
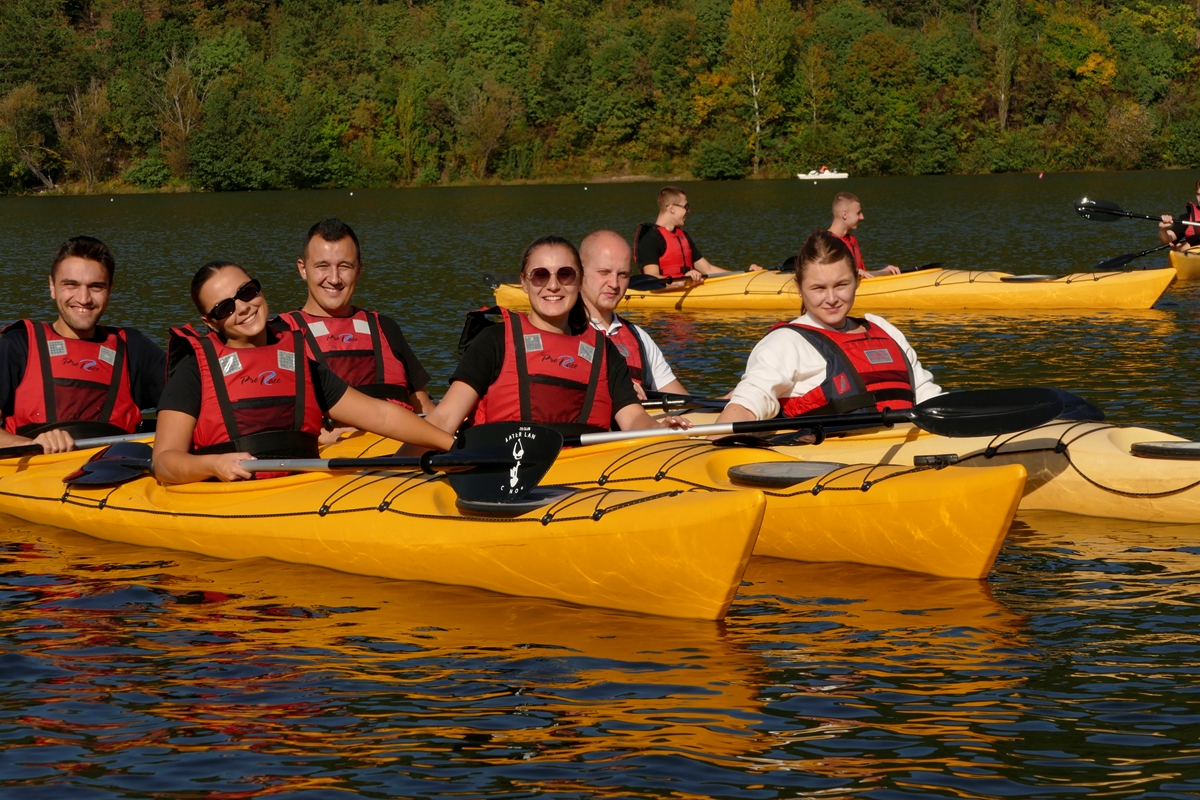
point(655, 552)
point(944, 522)
point(1076, 467)
point(928, 290)
point(1186, 263)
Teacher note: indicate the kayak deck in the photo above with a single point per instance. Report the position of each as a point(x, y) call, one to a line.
point(1186, 264)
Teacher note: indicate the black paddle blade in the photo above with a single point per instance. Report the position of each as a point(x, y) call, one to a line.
point(921, 268)
point(1099, 210)
point(987, 412)
point(1076, 409)
point(115, 464)
point(646, 283)
point(533, 447)
point(495, 280)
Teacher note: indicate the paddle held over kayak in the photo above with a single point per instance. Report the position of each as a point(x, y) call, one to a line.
point(1105, 211)
point(985, 412)
point(22, 450)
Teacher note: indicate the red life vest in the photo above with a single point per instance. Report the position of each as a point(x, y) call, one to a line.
point(852, 242)
point(1190, 234)
point(633, 349)
point(354, 349)
point(865, 369)
point(549, 378)
point(254, 399)
point(70, 381)
point(677, 260)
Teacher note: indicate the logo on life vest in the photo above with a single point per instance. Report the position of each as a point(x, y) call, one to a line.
point(879, 356)
point(345, 337)
point(230, 365)
point(56, 347)
point(841, 383)
point(268, 378)
point(566, 362)
point(89, 365)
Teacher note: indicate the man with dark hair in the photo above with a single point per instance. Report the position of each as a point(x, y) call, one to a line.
point(75, 378)
point(847, 213)
point(364, 348)
point(664, 249)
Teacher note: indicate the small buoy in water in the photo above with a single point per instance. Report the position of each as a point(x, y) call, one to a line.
point(1041, 175)
point(111, 200)
point(585, 188)
point(352, 194)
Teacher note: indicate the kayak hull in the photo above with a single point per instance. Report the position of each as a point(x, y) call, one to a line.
point(949, 523)
point(1186, 264)
point(926, 290)
point(675, 556)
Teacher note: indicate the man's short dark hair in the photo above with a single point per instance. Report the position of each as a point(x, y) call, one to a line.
point(332, 230)
point(86, 247)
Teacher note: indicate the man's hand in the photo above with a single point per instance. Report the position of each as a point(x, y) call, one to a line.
point(695, 276)
point(756, 268)
point(639, 391)
point(228, 467)
point(331, 436)
point(55, 441)
point(890, 269)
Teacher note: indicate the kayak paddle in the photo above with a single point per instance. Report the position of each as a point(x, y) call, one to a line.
point(665, 401)
point(1120, 261)
point(984, 412)
point(80, 444)
point(491, 464)
point(1105, 211)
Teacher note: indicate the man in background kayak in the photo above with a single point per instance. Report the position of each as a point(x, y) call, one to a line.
point(606, 258)
point(1178, 235)
point(364, 348)
point(847, 213)
point(75, 378)
point(665, 249)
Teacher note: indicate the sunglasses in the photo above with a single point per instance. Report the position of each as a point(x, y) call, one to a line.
point(684, 206)
point(246, 292)
point(541, 276)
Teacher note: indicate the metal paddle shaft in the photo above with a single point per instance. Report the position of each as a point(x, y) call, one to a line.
point(430, 463)
point(1106, 211)
point(80, 444)
point(667, 401)
point(985, 412)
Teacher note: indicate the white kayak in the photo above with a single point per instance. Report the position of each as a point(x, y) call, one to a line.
point(827, 175)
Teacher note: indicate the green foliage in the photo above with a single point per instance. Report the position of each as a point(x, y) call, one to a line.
point(316, 93)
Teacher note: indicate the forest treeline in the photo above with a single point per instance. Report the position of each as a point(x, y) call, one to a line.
point(255, 94)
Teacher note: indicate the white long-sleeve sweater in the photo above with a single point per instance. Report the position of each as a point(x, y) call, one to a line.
point(784, 365)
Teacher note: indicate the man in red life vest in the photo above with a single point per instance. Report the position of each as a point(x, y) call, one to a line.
point(364, 348)
point(847, 213)
point(75, 378)
point(665, 250)
point(1178, 235)
point(606, 261)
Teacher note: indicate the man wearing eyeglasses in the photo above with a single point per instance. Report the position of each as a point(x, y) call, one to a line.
point(364, 348)
point(75, 378)
point(665, 249)
point(606, 258)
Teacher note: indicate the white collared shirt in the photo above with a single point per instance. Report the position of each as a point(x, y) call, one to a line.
point(656, 369)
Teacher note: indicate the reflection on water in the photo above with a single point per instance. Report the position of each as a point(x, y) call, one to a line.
point(130, 672)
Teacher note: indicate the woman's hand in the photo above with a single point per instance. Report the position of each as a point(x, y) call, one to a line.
point(228, 466)
point(675, 423)
point(55, 441)
point(331, 436)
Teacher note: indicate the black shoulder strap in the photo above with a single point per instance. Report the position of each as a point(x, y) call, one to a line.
point(599, 356)
point(302, 325)
point(518, 346)
point(218, 379)
point(647, 378)
point(301, 364)
point(43, 347)
point(474, 324)
point(376, 344)
point(837, 363)
point(114, 386)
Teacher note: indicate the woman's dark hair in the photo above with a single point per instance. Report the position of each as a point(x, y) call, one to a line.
point(203, 275)
point(550, 241)
point(88, 248)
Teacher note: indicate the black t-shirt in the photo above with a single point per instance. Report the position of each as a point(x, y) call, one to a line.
point(147, 367)
point(651, 246)
point(480, 367)
point(418, 378)
point(1188, 233)
point(183, 389)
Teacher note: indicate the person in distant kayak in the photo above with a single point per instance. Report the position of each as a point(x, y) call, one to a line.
point(665, 249)
point(75, 378)
point(606, 259)
point(825, 361)
point(1178, 235)
point(244, 390)
point(548, 366)
point(847, 213)
point(364, 348)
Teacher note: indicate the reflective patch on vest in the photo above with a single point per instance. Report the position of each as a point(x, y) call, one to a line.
point(362, 326)
point(318, 328)
point(533, 342)
point(230, 364)
point(56, 347)
point(879, 356)
point(586, 352)
point(287, 360)
point(108, 355)
point(841, 383)
point(623, 350)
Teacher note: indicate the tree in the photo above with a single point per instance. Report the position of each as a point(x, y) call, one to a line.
point(483, 117)
point(760, 35)
point(179, 103)
point(21, 116)
point(815, 89)
point(81, 134)
point(1006, 55)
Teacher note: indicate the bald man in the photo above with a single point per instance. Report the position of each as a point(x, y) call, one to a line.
point(607, 258)
point(847, 213)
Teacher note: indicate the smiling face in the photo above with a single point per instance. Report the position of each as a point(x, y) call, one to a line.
point(247, 325)
point(331, 270)
point(80, 289)
point(828, 291)
point(553, 302)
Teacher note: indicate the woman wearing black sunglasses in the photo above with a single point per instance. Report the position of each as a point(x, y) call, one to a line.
point(548, 366)
point(242, 390)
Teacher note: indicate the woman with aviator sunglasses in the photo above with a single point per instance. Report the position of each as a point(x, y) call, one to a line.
point(548, 366)
point(241, 390)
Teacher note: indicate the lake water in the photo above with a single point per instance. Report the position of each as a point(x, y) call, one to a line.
point(1073, 671)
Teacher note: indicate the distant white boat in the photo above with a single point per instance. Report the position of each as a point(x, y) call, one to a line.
point(823, 174)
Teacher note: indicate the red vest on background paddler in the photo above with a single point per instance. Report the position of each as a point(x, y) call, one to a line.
point(677, 260)
point(865, 369)
point(258, 400)
point(355, 350)
point(631, 346)
point(82, 386)
point(851, 241)
point(549, 378)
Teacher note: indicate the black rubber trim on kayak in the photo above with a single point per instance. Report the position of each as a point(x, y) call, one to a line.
point(1176, 451)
